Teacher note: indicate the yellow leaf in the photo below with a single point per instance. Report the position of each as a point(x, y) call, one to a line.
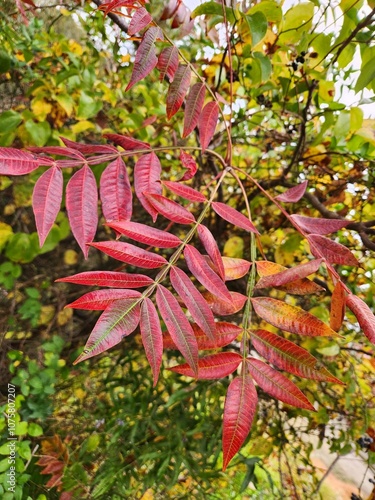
point(5, 232)
point(234, 247)
point(148, 495)
point(70, 257)
point(41, 109)
point(82, 126)
point(46, 315)
point(80, 394)
point(64, 316)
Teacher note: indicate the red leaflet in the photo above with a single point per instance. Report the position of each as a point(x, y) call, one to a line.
point(189, 163)
point(194, 301)
point(115, 192)
point(186, 192)
point(147, 172)
point(225, 334)
point(290, 275)
point(152, 337)
point(168, 63)
point(193, 107)
point(364, 315)
point(298, 287)
point(277, 384)
point(89, 148)
point(98, 300)
point(119, 320)
point(141, 18)
point(170, 9)
point(290, 318)
point(223, 307)
point(332, 252)
point(170, 209)
point(178, 326)
point(207, 123)
point(177, 89)
point(145, 58)
point(239, 411)
point(125, 252)
point(204, 274)
point(233, 216)
point(58, 150)
point(293, 194)
point(82, 207)
point(338, 303)
point(287, 356)
point(127, 143)
point(235, 268)
point(319, 226)
point(15, 162)
point(145, 234)
point(47, 196)
point(212, 249)
point(108, 278)
point(211, 367)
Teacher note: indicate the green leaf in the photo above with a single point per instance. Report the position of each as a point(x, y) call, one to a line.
point(9, 121)
point(269, 8)
point(5, 62)
point(258, 25)
point(265, 65)
point(22, 248)
point(366, 76)
point(39, 132)
point(35, 430)
point(213, 9)
point(297, 20)
point(88, 106)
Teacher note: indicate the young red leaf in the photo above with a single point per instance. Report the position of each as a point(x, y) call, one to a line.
point(212, 249)
point(293, 194)
point(290, 318)
point(89, 148)
point(15, 162)
point(193, 107)
point(289, 275)
point(319, 226)
point(115, 192)
point(186, 192)
point(225, 334)
point(194, 301)
point(119, 320)
point(332, 252)
point(204, 274)
point(233, 216)
point(47, 196)
point(207, 123)
point(170, 209)
point(169, 9)
point(98, 300)
point(82, 207)
point(168, 63)
point(58, 150)
point(239, 410)
point(146, 234)
point(108, 278)
point(190, 164)
point(145, 58)
point(223, 307)
point(177, 89)
point(141, 18)
point(125, 252)
point(364, 315)
point(152, 337)
point(338, 303)
point(276, 384)
point(299, 287)
point(127, 143)
point(211, 367)
point(178, 326)
point(288, 356)
point(147, 172)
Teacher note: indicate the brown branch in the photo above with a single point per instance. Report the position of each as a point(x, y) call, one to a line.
point(116, 19)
